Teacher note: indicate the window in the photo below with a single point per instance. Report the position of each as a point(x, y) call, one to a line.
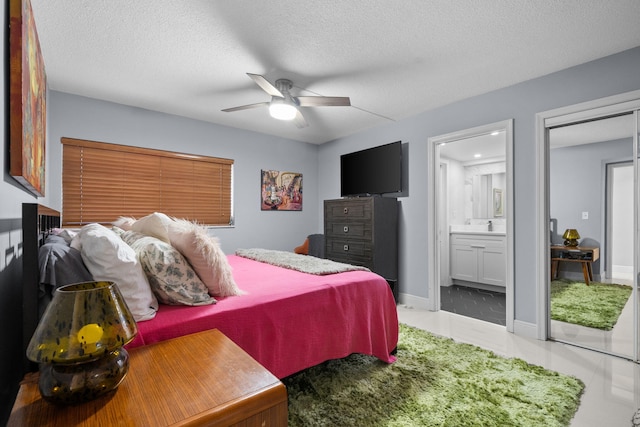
point(101, 182)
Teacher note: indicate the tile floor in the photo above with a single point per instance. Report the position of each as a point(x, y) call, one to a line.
point(473, 302)
point(612, 392)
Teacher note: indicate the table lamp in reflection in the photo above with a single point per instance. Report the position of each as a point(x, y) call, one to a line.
point(79, 342)
point(571, 237)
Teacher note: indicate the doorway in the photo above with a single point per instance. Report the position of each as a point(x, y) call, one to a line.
point(468, 197)
point(619, 220)
point(582, 189)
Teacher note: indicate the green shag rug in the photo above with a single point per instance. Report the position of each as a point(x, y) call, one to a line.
point(596, 306)
point(434, 382)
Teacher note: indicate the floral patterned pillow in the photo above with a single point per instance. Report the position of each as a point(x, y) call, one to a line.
point(172, 279)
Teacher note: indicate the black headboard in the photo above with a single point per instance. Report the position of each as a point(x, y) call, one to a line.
point(37, 221)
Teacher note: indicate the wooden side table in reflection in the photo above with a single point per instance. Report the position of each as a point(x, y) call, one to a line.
point(586, 256)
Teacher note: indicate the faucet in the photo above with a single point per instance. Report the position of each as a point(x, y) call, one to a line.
point(490, 226)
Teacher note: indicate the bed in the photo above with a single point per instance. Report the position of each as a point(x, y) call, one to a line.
point(287, 320)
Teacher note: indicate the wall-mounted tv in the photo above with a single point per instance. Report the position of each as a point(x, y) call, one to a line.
point(376, 170)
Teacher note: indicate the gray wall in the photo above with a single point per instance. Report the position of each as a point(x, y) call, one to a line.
point(576, 185)
point(604, 77)
point(78, 117)
point(85, 118)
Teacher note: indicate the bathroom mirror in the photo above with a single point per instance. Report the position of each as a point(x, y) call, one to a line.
point(485, 192)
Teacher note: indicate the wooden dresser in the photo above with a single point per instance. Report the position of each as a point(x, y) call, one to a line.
point(203, 379)
point(364, 231)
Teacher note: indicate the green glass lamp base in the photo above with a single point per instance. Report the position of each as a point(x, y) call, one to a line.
point(68, 384)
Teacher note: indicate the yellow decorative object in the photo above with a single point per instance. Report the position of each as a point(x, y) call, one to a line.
point(571, 237)
point(90, 334)
point(79, 342)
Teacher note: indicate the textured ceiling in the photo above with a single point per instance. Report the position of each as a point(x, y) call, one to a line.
point(393, 59)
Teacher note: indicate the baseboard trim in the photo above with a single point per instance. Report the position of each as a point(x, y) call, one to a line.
point(525, 329)
point(520, 328)
point(414, 301)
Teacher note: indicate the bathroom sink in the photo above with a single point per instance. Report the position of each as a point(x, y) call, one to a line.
point(476, 229)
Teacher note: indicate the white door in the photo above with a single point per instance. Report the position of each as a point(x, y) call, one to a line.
point(620, 222)
point(443, 229)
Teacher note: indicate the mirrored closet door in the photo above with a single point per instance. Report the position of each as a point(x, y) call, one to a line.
point(593, 197)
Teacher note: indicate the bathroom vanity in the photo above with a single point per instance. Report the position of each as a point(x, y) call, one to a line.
point(478, 256)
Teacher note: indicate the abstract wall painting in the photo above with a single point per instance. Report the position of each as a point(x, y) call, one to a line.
point(281, 191)
point(28, 91)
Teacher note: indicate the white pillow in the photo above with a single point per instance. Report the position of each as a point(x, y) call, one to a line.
point(124, 222)
point(172, 279)
point(154, 225)
point(205, 256)
point(109, 258)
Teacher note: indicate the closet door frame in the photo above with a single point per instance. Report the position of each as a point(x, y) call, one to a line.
point(592, 110)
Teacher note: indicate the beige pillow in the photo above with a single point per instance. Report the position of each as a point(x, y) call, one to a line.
point(154, 225)
point(124, 222)
point(172, 279)
point(205, 256)
point(109, 258)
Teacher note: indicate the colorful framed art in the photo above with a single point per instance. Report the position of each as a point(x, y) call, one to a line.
point(281, 191)
point(28, 92)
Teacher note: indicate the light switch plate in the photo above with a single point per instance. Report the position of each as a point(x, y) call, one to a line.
point(585, 215)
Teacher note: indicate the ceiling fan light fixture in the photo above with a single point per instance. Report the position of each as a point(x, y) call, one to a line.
point(282, 110)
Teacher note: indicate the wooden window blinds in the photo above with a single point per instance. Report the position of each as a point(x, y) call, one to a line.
point(102, 181)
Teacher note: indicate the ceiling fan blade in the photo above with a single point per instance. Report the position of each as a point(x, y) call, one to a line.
point(300, 121)
point(324, 101)
point(246, 107)
point(265, 85)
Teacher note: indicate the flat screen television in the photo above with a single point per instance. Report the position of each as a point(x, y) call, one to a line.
point(376, 170)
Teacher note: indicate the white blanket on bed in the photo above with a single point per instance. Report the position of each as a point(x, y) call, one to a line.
point(304, 263)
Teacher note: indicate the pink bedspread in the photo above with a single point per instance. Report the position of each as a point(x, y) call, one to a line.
point(289, 321)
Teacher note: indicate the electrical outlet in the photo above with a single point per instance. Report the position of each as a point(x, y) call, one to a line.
point(585, 215)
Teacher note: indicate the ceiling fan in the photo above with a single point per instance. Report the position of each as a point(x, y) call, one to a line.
point(284, 106)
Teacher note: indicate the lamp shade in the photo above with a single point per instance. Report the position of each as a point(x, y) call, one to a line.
point(571, 237)
point(571, 234)
point(83, 322)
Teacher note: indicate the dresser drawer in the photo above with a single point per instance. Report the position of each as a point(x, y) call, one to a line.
point(350, 230)
point(347, 210)
point(349, 251)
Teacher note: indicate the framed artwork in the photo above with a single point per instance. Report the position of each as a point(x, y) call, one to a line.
point(281, 191)
point(27, 92)
point(498, 202)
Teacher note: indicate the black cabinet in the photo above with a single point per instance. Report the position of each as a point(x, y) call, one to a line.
point(364, 231)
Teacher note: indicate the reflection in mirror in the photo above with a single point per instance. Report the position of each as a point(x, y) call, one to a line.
point(481, 189)
point(477, 166)
point(485, 191)
point(590, 300)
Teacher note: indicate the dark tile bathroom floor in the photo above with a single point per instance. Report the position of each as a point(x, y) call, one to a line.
point(477, 303)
